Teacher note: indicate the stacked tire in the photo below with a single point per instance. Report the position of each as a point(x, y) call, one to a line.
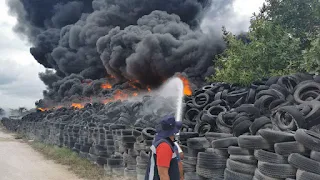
point(241, 163)
point(308, 165)
point(273, 163)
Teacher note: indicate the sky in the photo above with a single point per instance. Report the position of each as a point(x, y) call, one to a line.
point(19, 82)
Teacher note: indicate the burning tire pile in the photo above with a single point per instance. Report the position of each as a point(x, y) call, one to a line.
point(269, 130)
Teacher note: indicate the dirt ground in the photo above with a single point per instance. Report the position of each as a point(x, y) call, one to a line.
point(19, 161)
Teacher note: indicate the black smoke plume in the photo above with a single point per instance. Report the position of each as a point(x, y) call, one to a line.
point(145, 41)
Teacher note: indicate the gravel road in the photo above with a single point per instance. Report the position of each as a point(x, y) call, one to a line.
point(19, 161)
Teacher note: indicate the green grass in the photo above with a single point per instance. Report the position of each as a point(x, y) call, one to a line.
point(81, 167)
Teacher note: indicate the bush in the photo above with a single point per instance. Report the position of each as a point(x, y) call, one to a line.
point(270, 51)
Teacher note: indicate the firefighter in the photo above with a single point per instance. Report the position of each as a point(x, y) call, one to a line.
point(165, 163)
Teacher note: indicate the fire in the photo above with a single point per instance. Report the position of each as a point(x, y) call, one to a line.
point(186, 86)
point(149, 89)
point(77, 105)
point(135, 94)
point(106, 86)
point(119, 95)
point(43, 109)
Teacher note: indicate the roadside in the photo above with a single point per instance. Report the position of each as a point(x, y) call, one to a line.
point(19, 161)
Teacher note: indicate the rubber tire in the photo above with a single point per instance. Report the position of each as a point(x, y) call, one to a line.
point(259, 176)
point(270, 157)
point(258, 123)
point(253, 142)
point(233, 150)
point(211, 161)
point(309, 139)
point(315, 155)
point(241, 167)
point(304, 175)
point(232, 175)
point(210, 173)
point(304, 163)
point(286, 148)
point(198, 143)
point(277, 170)
point(248, 159)
point(225, 142)
point(273, 136)
point(242, 128)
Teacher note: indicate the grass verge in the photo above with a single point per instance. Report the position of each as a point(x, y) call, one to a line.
point(81, 167)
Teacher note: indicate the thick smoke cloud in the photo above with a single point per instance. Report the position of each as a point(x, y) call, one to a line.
point(144, 40)
point(157, 47)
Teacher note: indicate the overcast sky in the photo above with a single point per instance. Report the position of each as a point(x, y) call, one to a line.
point(19, 82)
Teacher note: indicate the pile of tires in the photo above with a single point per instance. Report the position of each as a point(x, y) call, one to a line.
point(269, 130)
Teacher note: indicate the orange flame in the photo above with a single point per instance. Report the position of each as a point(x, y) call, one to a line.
point(77, 105)
point(43, 109)
point(186, 86)
point(106, 86)
point(149, 89)
point(135, 94)
point(119, 95)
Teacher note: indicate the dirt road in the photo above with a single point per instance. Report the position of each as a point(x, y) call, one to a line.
point(18, 161)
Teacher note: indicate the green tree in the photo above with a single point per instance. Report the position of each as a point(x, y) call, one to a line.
point(270, 51)
point(300, 17)
point(312, 57)
point(283, 39)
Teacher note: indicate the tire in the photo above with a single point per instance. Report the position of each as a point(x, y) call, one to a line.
point(211, 161)
point(286, 148)
point(225, 142)
point(259, 176)
point(101, 160)
point(232, 175)
point(315, 155)
point(252, 111)
point(270, 157)
point(277, 170)
point(233, 150)
point(309, 139)
point(221, 152)
point(201, 100)
point(253, 142)
point(188, 167)
point(225, 120)
point(214, 136)
point(148, 133)
point(280, 89)
point(109, 142)
point(296, 117)
point(198, 143)
point(241, 167)
point(202, 128)
point(191, 176)
point(304, 175)
point(301, 87)
point(258, 124)
point(129, 173)
point(277, 103)
point(248, 159)
point(194, 152)
point(85, 148)
point(304, 163)
point(242, 128)
point(263, 103)
point(183, 136)
point(273, 136)
point(128, 139)
point(210, 173)
point(112, 162)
